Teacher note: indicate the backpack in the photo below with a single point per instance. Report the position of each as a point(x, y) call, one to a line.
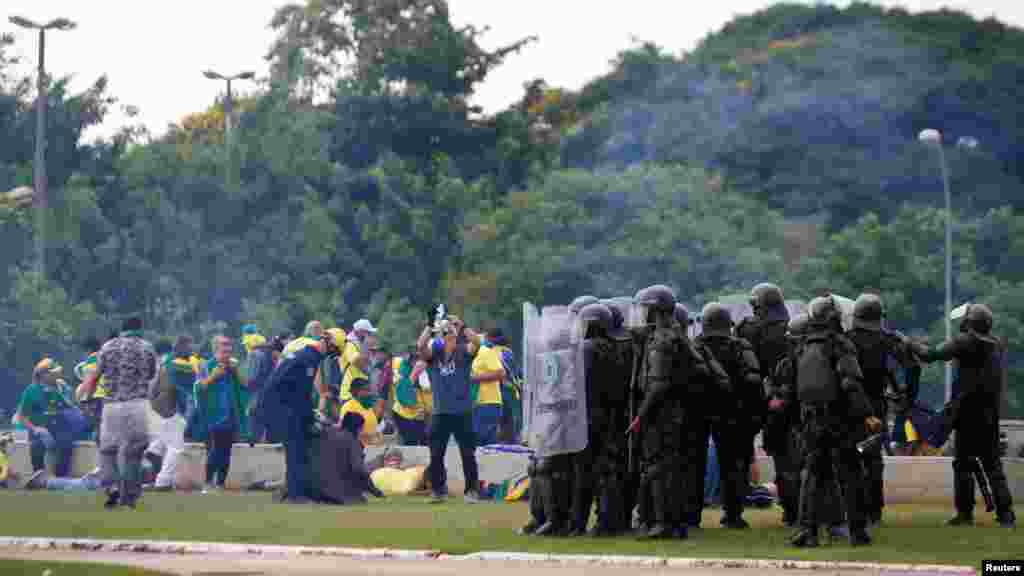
point(163, 394)
point(816, 377)
point(873, 357)
point(772, 345)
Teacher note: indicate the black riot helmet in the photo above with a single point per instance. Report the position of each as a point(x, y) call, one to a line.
point(579, 303)
point(765, 296)
point(715, 319)
point(768, 303)
point(868, 312)
point(620, 309)
point(596, 320)
point(798, 324)
point(824, 310)
point(682, 314)
point(651, 301)
point(978, 319)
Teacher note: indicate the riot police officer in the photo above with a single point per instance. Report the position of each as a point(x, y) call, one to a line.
point(730, 408)
point(595, 321)
point(835, 414)
point(974, 412)
point(877, 351)
point(669, 365)
point(555, 474)
point(615, 495)
point(766, 333)
point(778, 388)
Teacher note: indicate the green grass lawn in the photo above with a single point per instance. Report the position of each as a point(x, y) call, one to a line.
point(911, 534)
point(34, 568)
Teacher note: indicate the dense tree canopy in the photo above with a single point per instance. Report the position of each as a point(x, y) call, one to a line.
point(364, 183)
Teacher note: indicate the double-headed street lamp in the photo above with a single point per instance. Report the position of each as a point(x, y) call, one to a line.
point(39, 162)
point(933, 138)
point(227, 99)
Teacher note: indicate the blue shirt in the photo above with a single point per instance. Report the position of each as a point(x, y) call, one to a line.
point(450, 378)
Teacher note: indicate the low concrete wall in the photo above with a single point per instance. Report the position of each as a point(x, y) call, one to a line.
point(265, 462)
point(907, 479)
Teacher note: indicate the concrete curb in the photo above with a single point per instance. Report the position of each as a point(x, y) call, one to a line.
point(188, 548)
point(709, 563)
point(199, 548)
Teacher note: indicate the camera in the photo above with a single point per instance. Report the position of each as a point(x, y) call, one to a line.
point(440, 327)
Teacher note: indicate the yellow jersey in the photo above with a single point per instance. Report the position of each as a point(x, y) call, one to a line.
point(488, 360)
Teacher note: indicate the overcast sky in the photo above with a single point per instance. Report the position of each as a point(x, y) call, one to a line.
point(153, 51)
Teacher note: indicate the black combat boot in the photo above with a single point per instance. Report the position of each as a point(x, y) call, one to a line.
point(113, 499)
point(530, 528)
point(1007, 519)
point(661, 529)
point(961, 520)
point(963, 494)
point(805, 538)
point(859, 538)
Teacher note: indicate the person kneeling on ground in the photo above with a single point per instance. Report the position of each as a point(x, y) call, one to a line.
point(343, 463)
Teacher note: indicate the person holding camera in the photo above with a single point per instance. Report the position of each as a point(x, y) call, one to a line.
point(449, 356)
point(218, 394)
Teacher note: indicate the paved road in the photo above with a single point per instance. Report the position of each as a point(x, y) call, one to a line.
point(221, 565)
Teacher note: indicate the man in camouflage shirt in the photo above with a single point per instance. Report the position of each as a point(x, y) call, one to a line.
point(127, 364)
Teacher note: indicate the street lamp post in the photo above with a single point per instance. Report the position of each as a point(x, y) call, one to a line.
point(227, 99)
point(39, 161)
point(933, 137)
point(231, 176)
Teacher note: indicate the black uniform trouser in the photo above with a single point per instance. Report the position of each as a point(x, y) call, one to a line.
point(583, 485)
point(733, 451)
point(978, 441)
point(829, 458)
point(538, 489)
point(612, 502)
point(874, 474)
point(665, 474)
point(783, 445)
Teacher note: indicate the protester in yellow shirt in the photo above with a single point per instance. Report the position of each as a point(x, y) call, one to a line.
point(408, 409)
point(488, 373)
point(363, 403)
point(355, 357)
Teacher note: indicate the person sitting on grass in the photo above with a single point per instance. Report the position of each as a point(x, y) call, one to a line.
point(344, 459)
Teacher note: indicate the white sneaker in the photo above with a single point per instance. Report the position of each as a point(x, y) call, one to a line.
point(472, 497)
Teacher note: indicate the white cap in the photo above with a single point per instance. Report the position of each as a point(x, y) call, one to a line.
point(363, 325)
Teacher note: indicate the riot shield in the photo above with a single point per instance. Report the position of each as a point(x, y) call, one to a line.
point(846, 307)
point(959, 312)
point(531, 321)
point(557, 382)
point(796, 307)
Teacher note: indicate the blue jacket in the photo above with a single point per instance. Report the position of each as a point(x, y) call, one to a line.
point(289, 386)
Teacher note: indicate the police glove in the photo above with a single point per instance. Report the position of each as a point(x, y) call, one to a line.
point(873, 425)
